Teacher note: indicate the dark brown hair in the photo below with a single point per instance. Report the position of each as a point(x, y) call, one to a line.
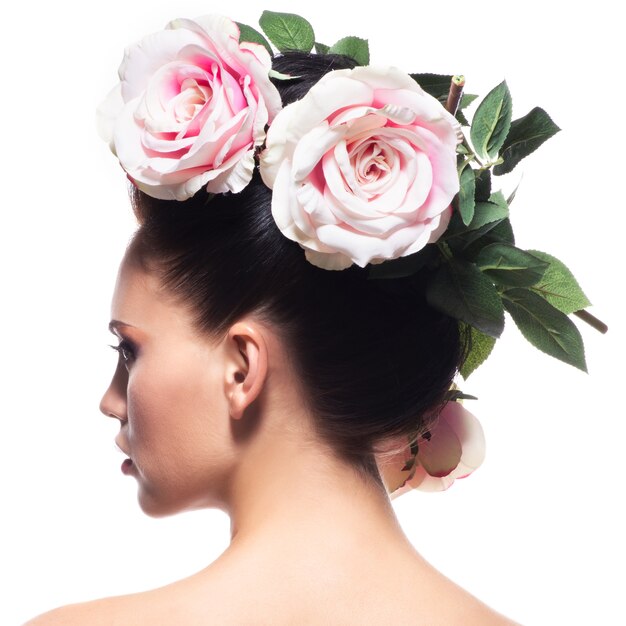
point(373, 358)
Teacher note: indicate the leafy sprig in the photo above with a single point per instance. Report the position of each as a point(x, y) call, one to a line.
point(287, 31)
point(479, 273)
point(476, 272)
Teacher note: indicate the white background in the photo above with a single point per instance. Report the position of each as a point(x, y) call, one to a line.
point(536, 532)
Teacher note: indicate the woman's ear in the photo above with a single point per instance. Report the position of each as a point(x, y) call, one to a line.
point(246, 360)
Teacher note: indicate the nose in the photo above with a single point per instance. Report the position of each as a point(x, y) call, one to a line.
point(113, 403)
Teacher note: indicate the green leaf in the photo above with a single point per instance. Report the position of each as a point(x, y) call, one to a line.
point(466, 100)
point(545, 327)
point(483, 186)
point(509, 266)
point(487, 215)
point(407, 466)
point(353, 47)
point(466, 195)
point(454, 395)
point(500, 233)
point(437, 85)
point(495, 209)
point(559, 287)
point(280, 76)
point(247, 33)
point(481, 346)
point(491, 122)
point(321, 48)
point(462, 291)
point(525, 136)
point(287, 31)
point(511, 197)
point(461, 119)
point(499, 199)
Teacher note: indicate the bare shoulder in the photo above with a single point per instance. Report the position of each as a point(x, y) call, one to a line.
point(448, 603)
point(476, 613)
point(105, 611)
point(424, 597)
point(71, 615)
point(192, 601)
point(139, 608)
point(419, 596)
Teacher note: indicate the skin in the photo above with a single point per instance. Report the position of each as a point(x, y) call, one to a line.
point(221, 423)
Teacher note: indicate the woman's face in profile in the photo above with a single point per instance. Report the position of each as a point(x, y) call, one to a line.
point(167, 394)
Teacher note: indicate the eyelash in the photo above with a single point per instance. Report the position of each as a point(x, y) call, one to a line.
point(126, 350)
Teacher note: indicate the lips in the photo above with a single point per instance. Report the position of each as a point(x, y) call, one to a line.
point(127, 466)
point(120, 447)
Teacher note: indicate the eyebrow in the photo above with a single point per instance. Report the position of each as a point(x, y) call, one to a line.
point(115, 324)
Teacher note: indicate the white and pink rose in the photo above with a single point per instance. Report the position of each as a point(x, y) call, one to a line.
point(190, 109)
point(453, 448)
point(362, 168)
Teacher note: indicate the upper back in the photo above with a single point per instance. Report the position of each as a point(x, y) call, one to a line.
point(413, 596)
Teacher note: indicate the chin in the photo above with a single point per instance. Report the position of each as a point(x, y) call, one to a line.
point(160, 505)
point(154, 506)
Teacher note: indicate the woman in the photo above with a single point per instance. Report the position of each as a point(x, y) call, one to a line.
point(255, 379)
point(226, 423)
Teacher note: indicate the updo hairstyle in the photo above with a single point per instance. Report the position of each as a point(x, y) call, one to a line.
point(373, 358)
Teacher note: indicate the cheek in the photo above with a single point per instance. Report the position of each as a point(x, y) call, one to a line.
point(178, 429)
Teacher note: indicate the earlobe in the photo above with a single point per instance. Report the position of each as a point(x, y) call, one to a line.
point(247, 369)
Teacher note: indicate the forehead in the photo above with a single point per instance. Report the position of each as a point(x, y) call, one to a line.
point(139, 300)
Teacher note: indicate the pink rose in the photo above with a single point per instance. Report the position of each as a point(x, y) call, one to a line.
point(191, 107)
point(453, 448)
point(363, 168)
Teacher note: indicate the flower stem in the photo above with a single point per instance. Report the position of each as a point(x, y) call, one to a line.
point(445, 250)
point(593, 321)
point(466, 162)
point(454, 95)
point(471, 155)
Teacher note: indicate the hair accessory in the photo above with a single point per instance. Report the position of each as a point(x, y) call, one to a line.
point(371, 167)
point(190, 109)
point(362, 168)
point(452, 449)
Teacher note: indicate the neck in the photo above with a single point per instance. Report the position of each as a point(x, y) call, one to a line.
point(290, 492)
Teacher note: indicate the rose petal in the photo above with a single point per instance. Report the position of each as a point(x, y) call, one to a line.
point(433, 483)
point(142, 60)
point(312, 147)
point(314, 204)
point(196, 105)
point(236, 178)
point(440, 454)
point(379, 77)
point(282, 200)
point(332, 261)
point(382, 155)
point(278, 146)
point(326, 97)
point(442, 222)
point(362, 248)
point(469, 432)
point(107, 113)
